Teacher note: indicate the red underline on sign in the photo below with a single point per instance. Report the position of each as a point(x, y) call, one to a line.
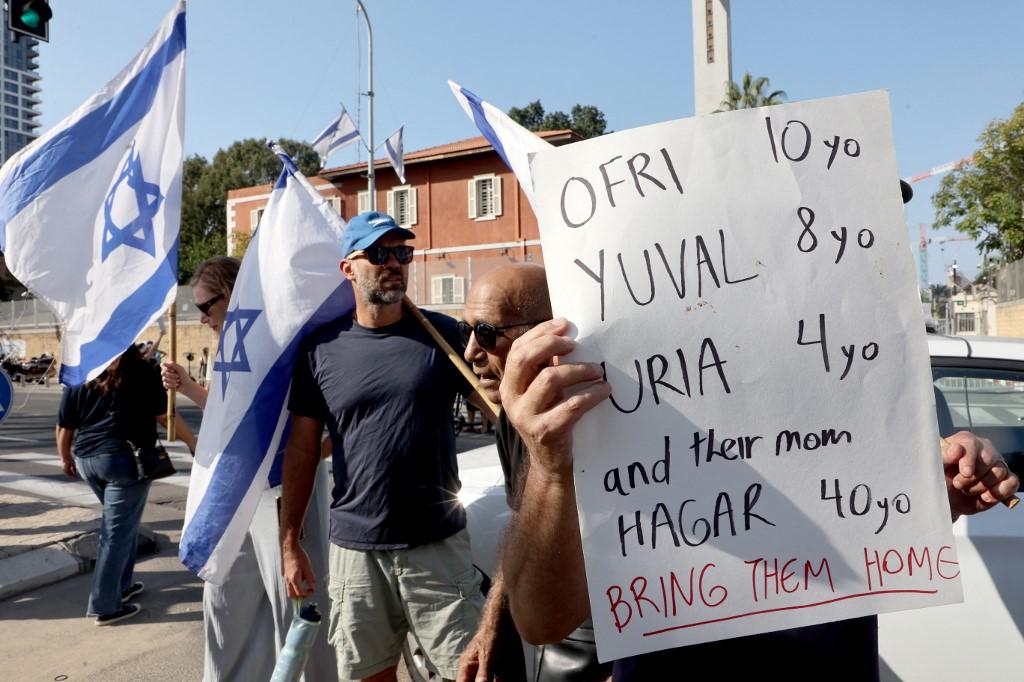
point(786, 608)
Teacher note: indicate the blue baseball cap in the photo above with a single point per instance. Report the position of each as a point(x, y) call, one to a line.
point(366, 228)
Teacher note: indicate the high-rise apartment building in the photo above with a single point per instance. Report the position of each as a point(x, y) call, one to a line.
point(19, 74)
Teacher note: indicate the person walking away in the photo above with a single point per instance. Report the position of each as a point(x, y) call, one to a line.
point(99, 424)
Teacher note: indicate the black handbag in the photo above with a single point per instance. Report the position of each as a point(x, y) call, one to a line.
point(153, 462)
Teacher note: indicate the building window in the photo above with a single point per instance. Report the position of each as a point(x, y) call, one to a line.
point(254, 219)
point(363, 201)
point(485, 197)
point(402, 205)
point(447, 289)
point(964, 322)
point(335, 203)
point(10, 87)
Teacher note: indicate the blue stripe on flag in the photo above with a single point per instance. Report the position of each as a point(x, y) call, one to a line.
point(345, 139)
point(125, 322)
point(236, 469)
point(325, 134)
point(391, 152)
point(480, 118)
point(90, 136)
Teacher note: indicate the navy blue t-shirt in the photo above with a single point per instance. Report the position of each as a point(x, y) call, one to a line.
point(386, 395)
point(843, 650)
point(105, 423)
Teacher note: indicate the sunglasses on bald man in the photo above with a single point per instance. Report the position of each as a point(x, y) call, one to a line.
point(379, 255)
point(486, 333)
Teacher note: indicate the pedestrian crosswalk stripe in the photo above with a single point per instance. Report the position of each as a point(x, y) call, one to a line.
point(179, 479)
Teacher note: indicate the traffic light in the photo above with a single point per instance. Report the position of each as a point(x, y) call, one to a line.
point(30, 18)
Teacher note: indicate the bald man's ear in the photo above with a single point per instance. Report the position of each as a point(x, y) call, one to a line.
point(346, 269)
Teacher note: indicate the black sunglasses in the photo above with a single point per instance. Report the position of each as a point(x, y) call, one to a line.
point(379, 255)
point(205, 306)
point(486, 333)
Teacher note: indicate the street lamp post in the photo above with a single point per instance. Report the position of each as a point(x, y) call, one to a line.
point(371, 185)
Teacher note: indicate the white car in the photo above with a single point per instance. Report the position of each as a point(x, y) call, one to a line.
point(982, 382)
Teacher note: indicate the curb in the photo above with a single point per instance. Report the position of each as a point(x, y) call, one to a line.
point(52, 563)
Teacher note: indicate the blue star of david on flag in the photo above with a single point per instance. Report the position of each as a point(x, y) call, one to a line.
point(242, 319)
point(138, 233)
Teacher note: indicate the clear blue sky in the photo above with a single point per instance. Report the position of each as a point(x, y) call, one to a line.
point(280, 69)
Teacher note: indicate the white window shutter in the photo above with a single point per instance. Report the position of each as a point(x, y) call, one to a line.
point(363, 199)
point(437, 289)
point(413, 213)
point(472, 198)
point(496, 196)
point(254, 219)
point(391, 203)
point(458, 290)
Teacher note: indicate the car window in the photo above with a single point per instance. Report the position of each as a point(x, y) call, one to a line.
point(989, 402)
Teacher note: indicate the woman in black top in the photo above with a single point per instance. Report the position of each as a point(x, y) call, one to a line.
point(97, 427)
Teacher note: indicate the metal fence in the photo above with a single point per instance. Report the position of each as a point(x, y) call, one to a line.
point(1010, 282)
point(31, 313)
point(441, 281)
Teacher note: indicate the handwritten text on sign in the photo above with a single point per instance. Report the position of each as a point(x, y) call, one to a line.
point(767, 459)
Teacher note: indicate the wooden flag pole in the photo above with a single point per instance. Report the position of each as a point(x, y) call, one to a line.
point(455, 358)
point(171, 412)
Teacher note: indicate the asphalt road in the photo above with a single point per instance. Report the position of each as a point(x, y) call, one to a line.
point(52, 640)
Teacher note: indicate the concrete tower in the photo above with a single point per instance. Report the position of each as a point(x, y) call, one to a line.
point(712, 54)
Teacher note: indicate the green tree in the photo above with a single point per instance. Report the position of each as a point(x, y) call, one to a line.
point(985, 199)
point(585, 120)
point(752, 93)
point(530, 117)
point(588, 121)
point(205, 187)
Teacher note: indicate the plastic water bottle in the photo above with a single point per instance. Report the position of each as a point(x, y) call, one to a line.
point(301, 635)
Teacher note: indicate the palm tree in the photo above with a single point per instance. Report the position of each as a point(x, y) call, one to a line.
point(751, 95)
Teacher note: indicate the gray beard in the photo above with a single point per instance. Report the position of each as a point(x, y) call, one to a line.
point(375, 295)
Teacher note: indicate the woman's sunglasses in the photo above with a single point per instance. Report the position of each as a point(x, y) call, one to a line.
point(486, 333)
point(379, 255)
point(205, 306)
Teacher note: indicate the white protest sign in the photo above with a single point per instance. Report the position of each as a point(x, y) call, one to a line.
point(769, 455)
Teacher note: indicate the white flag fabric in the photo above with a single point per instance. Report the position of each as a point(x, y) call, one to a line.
point(340, 133)
point(90, 211)
point(513, 142)
point(393, 148)
point(288, 285)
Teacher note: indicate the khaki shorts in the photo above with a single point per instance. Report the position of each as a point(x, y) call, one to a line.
point(378, 596)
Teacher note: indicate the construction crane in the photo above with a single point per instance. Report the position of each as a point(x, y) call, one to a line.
point(924, 241)
point(923, 252)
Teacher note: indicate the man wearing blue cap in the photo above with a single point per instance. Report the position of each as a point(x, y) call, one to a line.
point(399, 556)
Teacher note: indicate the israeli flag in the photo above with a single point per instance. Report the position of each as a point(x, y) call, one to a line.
point(89, 212)
point(340, 133)
point(513, 142)
point(393, 148)
point(288, 285)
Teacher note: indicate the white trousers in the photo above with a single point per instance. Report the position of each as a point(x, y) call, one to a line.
point(246, 619)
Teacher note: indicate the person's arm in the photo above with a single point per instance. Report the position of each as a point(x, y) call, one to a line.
point(477, 661)
point(301, 458)
point(182, 431)
point(543, 559)
point(977, 477)
point(67, 462)
point(174, 376)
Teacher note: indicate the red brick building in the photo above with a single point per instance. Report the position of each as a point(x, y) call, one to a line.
point(466, 208)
